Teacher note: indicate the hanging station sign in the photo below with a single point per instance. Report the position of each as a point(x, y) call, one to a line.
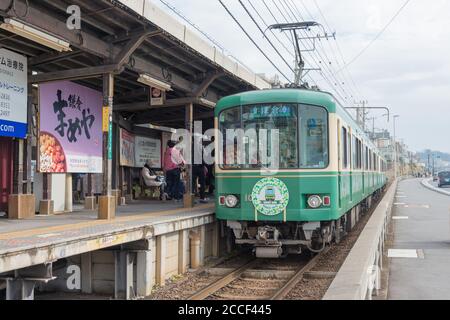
point(13, 94)
point(70, 138)
point(157, 97)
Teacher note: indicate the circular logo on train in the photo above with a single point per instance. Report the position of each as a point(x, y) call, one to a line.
point(270, 196)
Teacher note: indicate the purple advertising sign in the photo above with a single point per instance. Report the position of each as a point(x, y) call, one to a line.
point(70, 128)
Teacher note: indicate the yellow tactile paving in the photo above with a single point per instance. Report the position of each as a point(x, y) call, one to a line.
point(76, 226)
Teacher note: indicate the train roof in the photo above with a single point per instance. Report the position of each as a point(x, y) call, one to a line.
point(289, 95)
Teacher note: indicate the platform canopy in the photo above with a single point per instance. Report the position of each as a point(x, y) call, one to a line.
point(115, 37)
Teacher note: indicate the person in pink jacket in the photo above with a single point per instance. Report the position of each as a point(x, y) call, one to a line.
point(173, 162)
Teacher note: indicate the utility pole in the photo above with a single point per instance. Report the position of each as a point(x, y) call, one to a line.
point(362, 112)
point(433, 165)
point(294, 28)
point(395, 149)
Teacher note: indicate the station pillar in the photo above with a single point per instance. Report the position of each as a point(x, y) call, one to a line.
point(20, 205)
point(46, 205)
point(90, 201)
point(107, 202)
point(189, 123)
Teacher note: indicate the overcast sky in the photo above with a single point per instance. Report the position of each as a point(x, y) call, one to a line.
point(407, 68)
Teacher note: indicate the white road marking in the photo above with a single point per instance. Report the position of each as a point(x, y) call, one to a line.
point(417, 206)
point(399, 204)
point(400, 218)
point(401, 196)
point(49, 235)
point(402, 253)
point(421, 254)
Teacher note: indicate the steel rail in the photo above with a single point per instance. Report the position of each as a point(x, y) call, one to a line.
point(288, 286)
point(221, 283)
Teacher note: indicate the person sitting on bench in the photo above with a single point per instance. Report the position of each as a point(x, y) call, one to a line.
point(151, 179)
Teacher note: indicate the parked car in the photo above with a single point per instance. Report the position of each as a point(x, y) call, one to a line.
point(444, 179)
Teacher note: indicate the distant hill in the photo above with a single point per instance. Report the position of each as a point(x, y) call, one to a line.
point(442, 155)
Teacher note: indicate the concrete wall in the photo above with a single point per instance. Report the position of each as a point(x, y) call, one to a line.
point(103, 272)
point(103, 263)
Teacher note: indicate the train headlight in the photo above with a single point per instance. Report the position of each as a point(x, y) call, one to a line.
point(231, 201)
point(315, 202)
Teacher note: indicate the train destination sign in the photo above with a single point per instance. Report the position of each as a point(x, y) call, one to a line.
point(270, 196)
point(269, 111)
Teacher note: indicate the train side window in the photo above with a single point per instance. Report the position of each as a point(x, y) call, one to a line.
point(349, 151)
point(367, 159)
point(354, 153)
point(359, 154)
point(344, 149)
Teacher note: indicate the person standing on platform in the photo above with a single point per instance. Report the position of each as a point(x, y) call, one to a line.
point(173, 162)
point(199, 171)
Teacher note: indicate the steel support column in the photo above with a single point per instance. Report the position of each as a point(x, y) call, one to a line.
point(18, 167)
point(108, 96)
point(189, 124)
point(107, 203)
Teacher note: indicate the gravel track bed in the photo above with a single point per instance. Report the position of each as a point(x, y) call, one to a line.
point(332, 261)
point(183, 287)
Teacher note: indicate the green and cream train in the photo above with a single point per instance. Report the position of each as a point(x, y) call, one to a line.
point(293, 170)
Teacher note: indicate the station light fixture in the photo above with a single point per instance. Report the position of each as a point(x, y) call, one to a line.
point(154, 83)
point(35, 35)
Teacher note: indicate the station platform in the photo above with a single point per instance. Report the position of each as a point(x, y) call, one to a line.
point(420, 254)
point(44, 239)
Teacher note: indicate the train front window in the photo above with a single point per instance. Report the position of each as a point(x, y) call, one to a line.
point(313, 137)
point(302, 140)
point(254, 146)
point(268, 118)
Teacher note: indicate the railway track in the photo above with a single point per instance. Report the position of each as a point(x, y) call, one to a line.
point(259, 279)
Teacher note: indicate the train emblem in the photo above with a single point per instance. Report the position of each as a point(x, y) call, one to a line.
point(270, 196)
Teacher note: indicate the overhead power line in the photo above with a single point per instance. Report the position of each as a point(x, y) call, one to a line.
point(262, 32)
point(266, 25)
point(253, 41)
point(377, 36)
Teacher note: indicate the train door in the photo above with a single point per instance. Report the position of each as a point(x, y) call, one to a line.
point(6, 172)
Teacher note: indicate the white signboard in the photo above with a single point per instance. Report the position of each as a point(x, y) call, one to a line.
point(148, 149)
point(13, 94)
